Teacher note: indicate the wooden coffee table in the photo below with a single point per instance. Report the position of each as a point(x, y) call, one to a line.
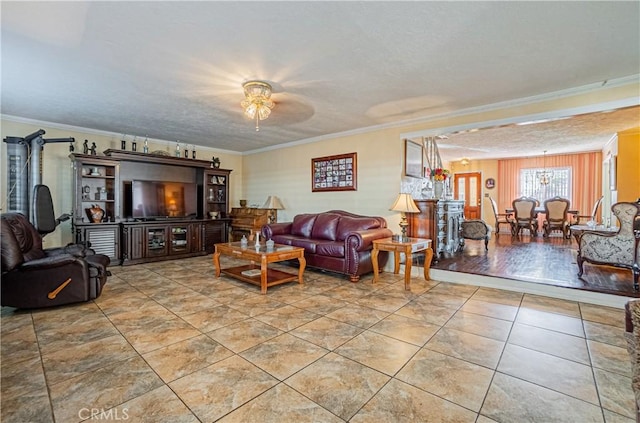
point(267, 277)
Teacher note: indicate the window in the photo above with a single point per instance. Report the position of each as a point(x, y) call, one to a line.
point(559, 183)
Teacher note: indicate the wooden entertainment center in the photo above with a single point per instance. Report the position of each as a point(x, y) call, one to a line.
point(128, 237)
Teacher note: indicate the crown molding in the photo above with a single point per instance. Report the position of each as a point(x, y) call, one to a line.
point(555, 95)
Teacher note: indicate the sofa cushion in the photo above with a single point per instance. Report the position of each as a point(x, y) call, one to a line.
point(331, 249)
point(309, 245)
point(350, 224)
point(325, 226)
point(283, 239)
point(303, 224)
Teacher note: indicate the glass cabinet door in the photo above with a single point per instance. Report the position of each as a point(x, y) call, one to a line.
point(179, 239)
point(156, 242)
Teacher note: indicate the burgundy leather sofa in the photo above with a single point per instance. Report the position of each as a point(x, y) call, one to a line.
point(335, 240)
point(33, 277)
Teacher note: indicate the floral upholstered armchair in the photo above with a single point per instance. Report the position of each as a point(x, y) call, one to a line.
point(621, 249)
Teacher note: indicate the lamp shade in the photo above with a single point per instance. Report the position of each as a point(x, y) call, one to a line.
point(404, 203)
point(273, 202)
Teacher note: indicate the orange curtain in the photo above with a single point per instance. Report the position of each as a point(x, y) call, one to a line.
point(586, 174)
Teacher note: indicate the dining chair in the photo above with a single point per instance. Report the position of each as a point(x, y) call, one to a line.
point(556, 209)
point(525, 216)
point(501, 218)
point(594, 213)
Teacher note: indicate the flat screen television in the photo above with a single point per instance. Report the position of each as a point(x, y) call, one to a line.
point(161, 199)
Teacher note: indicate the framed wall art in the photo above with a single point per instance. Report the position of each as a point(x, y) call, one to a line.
point(490, 183)
point(334, 173)
point(413, 159)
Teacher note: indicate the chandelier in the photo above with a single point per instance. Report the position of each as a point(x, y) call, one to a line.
point(543, 176)
point(257, 103)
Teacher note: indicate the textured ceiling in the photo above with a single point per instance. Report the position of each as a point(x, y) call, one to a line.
point(173, 70)
point(585, 132)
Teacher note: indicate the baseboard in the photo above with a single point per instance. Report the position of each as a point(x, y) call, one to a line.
point(571, 294)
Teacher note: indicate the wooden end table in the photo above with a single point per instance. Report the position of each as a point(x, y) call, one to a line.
point(414, 245)
point(267, 277)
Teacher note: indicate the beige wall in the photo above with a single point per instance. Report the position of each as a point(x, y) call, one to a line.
point(487, 169)
point(286, 172)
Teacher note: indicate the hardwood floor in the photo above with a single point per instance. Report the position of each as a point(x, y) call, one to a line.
point(550, 261)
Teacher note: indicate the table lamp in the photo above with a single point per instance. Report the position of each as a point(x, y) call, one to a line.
point(273, 203)
point(404, 204)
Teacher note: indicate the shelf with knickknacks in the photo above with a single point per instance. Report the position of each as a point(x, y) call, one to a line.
point(101, 194)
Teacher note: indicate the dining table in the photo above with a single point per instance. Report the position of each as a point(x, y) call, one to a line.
point(540, 210)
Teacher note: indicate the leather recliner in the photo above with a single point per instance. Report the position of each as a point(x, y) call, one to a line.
point(33, 277)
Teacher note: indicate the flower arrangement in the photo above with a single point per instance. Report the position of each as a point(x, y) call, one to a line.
point(439, 174)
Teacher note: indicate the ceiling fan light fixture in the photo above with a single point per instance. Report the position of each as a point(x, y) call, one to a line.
point(257, 103)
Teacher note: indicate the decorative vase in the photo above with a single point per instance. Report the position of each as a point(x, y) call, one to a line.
point(438, 189)
point(95, 213)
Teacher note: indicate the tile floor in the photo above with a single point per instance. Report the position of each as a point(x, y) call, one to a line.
point(168, 342)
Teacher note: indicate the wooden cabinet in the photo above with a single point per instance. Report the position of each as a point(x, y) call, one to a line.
point(134, 238)
point(216, 193)
point(185, 238)
point(96, 182)
point(247, 221)
point(104, 238)
point(215, 196)
point(215, 231)
point(105, 182)
point(438, 220)
point(155, 241)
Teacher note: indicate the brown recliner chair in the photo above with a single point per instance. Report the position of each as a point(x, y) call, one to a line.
point(33, 277)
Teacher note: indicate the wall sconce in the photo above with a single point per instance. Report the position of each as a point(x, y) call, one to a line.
point(465, 161)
